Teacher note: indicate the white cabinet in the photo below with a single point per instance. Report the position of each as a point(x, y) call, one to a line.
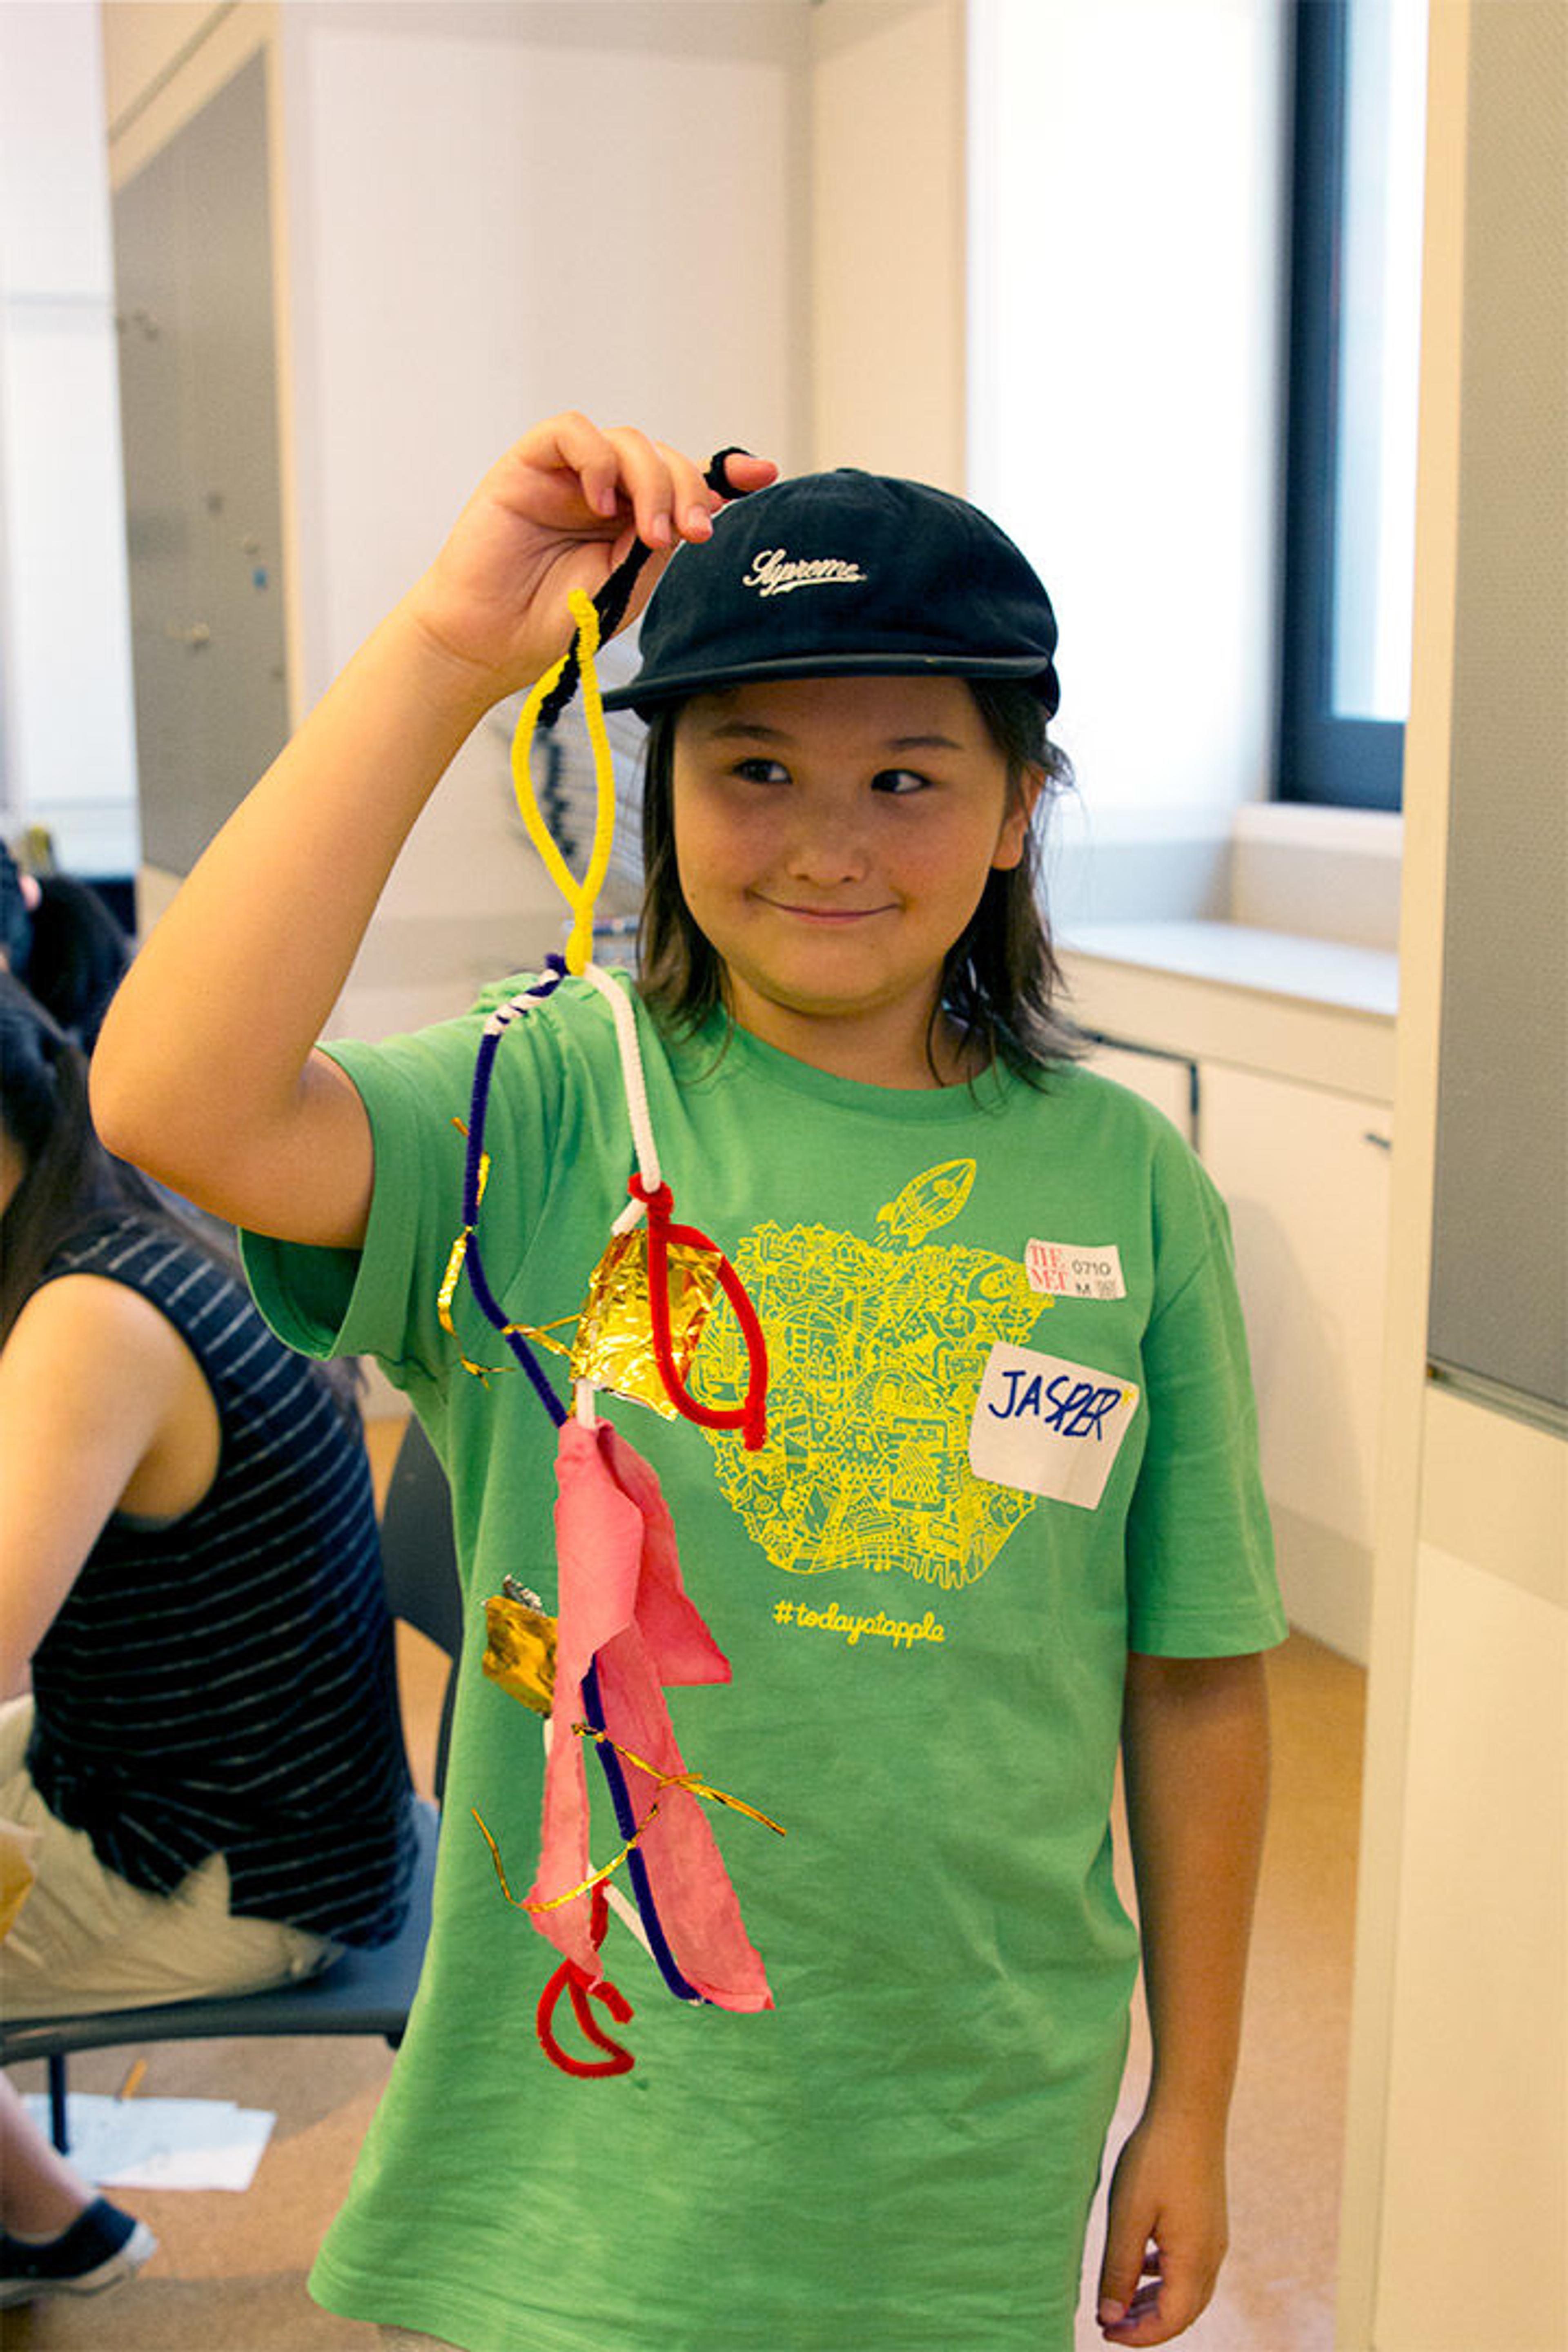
point(1167, 1080)
point(1274, 1055)
point(1304, 1170)
point(1304, 1173)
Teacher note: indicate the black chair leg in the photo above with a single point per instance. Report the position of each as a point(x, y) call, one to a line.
point(60, 2130)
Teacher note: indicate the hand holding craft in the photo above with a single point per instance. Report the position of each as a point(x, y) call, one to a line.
point(557, 515)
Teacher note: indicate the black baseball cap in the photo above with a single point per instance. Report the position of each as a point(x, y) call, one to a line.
point(839, 573)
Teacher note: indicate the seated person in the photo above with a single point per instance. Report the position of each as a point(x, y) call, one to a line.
point(208, 1770)
point(59, 939)
point(57, 2238)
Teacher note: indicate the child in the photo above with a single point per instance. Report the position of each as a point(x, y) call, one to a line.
point(1007, 1509)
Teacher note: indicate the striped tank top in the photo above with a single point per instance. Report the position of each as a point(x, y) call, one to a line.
point(225, 1683)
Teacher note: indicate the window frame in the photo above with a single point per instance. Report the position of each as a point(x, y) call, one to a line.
point(1322, 757)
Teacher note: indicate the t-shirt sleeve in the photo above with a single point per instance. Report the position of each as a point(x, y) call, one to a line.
point(1200, 1553)
point(382, 1300)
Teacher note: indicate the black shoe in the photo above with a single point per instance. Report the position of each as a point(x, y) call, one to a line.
point(101, 2247)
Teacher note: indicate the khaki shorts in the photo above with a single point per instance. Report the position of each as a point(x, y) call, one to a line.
point(85, 1939)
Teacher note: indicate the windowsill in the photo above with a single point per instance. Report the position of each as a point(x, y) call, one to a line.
point(1281, 869)
point(1311, 824)
point(1317, 1010)
point(1331, 874)
point(1241, 955)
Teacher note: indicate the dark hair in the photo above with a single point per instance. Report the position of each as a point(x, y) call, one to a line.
point(66, 946)
point(78, 957)
point(70, 1185)
point(1001, 980)
point(16, 921)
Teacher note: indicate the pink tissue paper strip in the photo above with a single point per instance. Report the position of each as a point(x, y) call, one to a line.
point(622, 1600)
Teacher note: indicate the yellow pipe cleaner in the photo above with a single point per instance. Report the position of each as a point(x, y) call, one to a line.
point(581, 896)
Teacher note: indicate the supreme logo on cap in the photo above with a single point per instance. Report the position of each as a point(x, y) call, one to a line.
point(776, 572)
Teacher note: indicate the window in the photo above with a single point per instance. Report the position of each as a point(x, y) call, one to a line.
point(1360, 117)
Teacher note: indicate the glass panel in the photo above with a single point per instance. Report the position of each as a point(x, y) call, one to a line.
point(1379, 326)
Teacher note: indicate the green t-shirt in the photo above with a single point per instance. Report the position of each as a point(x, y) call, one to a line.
point(1010, 1435)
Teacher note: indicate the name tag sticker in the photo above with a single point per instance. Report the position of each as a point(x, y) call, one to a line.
point(1075, 1269)
point(1049, 1427)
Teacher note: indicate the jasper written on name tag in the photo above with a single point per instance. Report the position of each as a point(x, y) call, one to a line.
point(1047, 1426)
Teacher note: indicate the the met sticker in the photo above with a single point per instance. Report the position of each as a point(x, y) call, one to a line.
point(1049, 1427)
point(1075, 1269)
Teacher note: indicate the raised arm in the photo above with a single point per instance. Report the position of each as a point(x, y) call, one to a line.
point(1196, 1749)
point(205, 1073)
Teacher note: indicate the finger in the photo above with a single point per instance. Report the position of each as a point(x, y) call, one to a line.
point(612, 485)
point(738, 472)
point(1184, 2288)
point(655, 481)
point(748, 472)
point(1131, 2257)
point(574, 446)
point(1170, 2297)
point(693, 502)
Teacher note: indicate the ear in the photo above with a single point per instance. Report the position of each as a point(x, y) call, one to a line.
point(1024, 791)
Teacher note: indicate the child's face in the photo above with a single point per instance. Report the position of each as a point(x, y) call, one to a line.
point(833, 838)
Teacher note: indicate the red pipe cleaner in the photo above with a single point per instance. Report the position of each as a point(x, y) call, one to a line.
point(751, 1416)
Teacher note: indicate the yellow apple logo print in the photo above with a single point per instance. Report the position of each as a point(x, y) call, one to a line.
point(875, 1353)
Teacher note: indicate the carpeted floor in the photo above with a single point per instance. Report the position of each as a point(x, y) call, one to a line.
point(229, 2272)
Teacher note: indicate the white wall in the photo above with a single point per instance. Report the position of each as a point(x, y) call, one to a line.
point(493, 217)
point(795, 262)
point(890, 156)
point(486, 213)
point(67, 734)
point(495, 214)
point(1125, 246)
point(1455, 2183)
point(1472, 2252)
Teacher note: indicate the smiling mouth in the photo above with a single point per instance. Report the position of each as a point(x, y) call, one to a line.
point(830, 916)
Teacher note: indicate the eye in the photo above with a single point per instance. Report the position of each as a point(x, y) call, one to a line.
point(760, 771)
point(899, 781)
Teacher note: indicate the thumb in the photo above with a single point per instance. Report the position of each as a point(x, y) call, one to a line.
point(1129, 2260)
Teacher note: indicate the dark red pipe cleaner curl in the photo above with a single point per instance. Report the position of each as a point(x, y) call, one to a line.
point(749, 1417)
point(573, 1981)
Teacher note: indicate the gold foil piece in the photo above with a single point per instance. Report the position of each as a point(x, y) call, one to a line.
point(690, 1781)
point(614, 1347)
point(449, 1281)
point(595, 1878)
point(520, 1652)
point(455, 1261)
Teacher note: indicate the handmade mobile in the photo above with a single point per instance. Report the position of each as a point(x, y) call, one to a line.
point(626, 1626)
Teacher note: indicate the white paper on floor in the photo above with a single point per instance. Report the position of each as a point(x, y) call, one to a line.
point(160, 2143)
